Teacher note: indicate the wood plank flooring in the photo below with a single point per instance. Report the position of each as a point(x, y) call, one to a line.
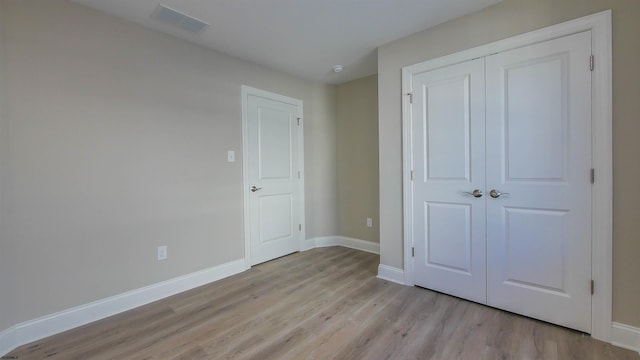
point(321, 304)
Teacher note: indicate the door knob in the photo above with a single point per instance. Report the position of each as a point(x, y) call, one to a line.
point(254, 188)
point(476, 193)
point(496, 193)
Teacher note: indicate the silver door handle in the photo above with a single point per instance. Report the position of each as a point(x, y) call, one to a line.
point(496, 193)
point(476, 193)
point(254, 188)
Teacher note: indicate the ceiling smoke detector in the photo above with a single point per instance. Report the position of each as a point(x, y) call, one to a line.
point(174, 17)
point(337, 68)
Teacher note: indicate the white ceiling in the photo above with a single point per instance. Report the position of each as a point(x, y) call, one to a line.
point(304, 38)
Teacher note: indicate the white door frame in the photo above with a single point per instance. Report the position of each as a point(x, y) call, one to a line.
point(246, 91)
point(602, 154)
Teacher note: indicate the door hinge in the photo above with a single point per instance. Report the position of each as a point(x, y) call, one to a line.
point(592, 62)
point(298, 121)
point(410, 98)
point(593, 176)
point(411, 175)
point(298, 174)
point(592, 287)
point(413, 252)
point(299, 227)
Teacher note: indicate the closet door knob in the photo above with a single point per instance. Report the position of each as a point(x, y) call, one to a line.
point(476, 193)
point(496, 193)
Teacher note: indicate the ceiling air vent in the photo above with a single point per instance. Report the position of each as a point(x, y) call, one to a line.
point(172, 17)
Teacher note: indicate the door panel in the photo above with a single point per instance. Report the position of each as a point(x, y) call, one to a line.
point(539, 154)
point(447, 127)
point(536, 117)
point(448, 157)
point(275, 217)
point(275, 143)
point(273, 168)
point(531, 235)
point(449, 232)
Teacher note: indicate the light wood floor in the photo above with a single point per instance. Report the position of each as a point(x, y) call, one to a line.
point(320, 304)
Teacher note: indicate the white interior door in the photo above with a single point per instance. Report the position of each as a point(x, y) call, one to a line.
point(273, 176)
point(539, 151)
point(448, 157)
point(525, 244)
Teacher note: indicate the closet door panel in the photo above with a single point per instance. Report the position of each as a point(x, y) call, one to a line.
point(538, 162)
point(448, 156)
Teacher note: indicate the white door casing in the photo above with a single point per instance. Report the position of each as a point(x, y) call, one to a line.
point(539, 152)
point(273, 184)
point(448, 164)
point(540, 285)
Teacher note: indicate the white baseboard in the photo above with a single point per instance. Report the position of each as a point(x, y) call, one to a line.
point(391, 273)
point(344, 241)
point(324, 241)
point(48, 325)
point(8, 340)
point(308, 244)
point(358, 244)
point(625, 336)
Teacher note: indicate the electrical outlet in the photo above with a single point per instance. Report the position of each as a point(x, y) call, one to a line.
point(369, 222)
point(162, 252)
point(231, 156)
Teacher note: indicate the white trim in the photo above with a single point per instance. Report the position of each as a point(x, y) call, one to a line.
point(625, 336)
point(391, 273)
point(602, 150)
point(358, 244)
point(246, 91)
point(51, 324)
point(245, 174)
point(309, 244)
point(326, 241)
point(407, 183)
point(8, 340)
point(602, 190)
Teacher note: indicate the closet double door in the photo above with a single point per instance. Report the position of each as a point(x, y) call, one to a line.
point(501, 194)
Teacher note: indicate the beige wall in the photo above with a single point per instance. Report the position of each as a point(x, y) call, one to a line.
point(321, 181)
point(118, 144)
point(498, 22)
point(358, 158)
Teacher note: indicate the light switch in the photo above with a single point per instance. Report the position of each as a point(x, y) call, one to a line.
point(231, 156)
